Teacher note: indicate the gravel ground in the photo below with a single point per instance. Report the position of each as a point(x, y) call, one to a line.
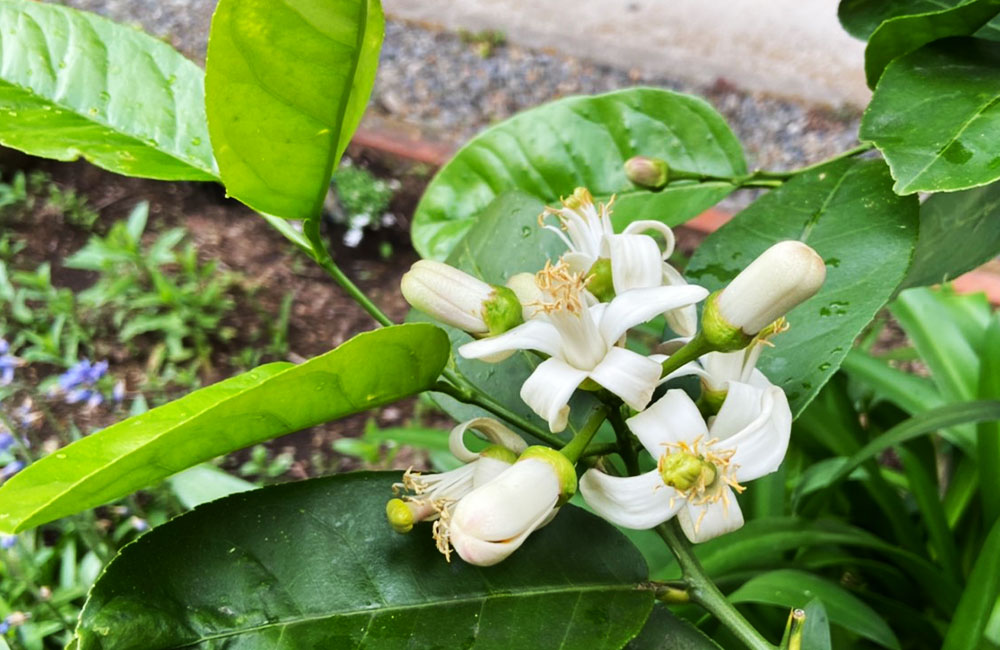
point(442, 83)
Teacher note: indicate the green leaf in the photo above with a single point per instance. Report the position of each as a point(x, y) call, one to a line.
point(822, 475)
point(504, 241)
point(865, 233)
point(790, 588)
point(934, 115)
point(816, 630)
point(315, 565)
point(548, 151)
point(988, 432)
point(979, 598)
point(927, 495)
point(861, 17)
point(369, 370)
point(665, 631)
point(74, 84)
point(911, 393)
point(903, 34)
point(206, 482)
point(286, 84)
point(958, 232)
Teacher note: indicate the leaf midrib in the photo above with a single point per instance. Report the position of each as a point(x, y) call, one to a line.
point(581, 589)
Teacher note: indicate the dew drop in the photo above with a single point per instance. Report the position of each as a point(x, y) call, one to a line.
point(195, 141)
point(525, 231)
point(824, 366)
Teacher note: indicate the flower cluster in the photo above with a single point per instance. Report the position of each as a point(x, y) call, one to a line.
point(81, 384)
point(8, 362)
point(575, 314)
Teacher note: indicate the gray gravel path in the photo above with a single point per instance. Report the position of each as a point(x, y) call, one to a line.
point(442, 83)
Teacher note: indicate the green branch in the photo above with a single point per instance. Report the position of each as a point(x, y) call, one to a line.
point(575, 448)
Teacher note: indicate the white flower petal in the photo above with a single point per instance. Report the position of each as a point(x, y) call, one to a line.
point(548, 390)
point(741, 407)
point(533, 335)
point(761, 445)
point(637, 227)
point(629, 375)
point(637, 502)
point(703, 522)
point(671, 419)
point(683, 320)
point(493, 430)
point(640, 305)
point(578, 262)
point(480, 552)
point(635, 262)
point(487, 469)
point(723, 367)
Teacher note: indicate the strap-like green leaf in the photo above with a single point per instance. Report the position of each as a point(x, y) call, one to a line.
point(790, 588)
point(286, 84)
point(74, 84)
point(367, 371)
point(314, 564)
point(979, 599)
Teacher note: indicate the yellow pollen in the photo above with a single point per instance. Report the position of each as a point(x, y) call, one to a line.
point(564, 288)
point(779, 326)
point(440, 531)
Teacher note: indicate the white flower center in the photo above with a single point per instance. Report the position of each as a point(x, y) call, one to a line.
point(564, 305)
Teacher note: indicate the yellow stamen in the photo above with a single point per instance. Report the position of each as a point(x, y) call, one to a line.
point(564, 288)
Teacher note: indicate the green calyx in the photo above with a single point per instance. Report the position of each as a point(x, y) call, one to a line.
point(399, 515)
point(563, 468)
point(683, 471)
point(502, 311)
point(721, 335)
point(499, 452)
point(599, 281)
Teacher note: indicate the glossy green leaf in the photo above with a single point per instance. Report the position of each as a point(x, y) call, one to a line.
point(666, 631)
point(369, 370)
point(286, 84)
point(206, 482)
point(926, 493)
point(958, 232)
point(74, 84)
point(911, 393)
point(790, 588)
point(980, 596)
point(862, 17)
point(903, 34)
point(816, 630)
point(934, 116)
point(315, 565)
point(548, 151)
point(504, 241)
point(865, 233)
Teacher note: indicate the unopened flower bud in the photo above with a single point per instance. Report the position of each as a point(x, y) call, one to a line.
point(493, 520)
point(781, 278)
point(456, 298)
point(528, 294)
point(651, 173)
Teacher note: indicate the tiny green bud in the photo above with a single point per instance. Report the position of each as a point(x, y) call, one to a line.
point(563, 468)
point(599, 280)
point(499, 452)
point(722, 335)
point(644, 171)
point(400, 515)
point(502, 311)
point(683, 471)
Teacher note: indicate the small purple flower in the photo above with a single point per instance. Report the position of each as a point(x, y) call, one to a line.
point(6, 440)
point(118, 392)
point(7, 542)
point(79, 382)
point(7, 363)
point(10, 469)
point(139, 524)
point(4, 627)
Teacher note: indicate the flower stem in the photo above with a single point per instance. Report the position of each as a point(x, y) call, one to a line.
point(574, 448)
point(704, 592)
point(693, 349)
point(764, 178)
point(624, 439)
point(321, 254)
point(459, 388)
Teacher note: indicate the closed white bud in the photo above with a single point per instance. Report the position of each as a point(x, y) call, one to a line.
point(455, 298)
point(784, 276)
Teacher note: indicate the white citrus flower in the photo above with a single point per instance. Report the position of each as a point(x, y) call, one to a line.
point(582, 342)
point(699, 467)
point(493, 520)
point(434, 496)
point(635, 258)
